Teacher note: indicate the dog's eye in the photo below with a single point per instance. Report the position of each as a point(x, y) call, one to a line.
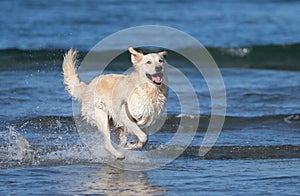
point(149, 62)
point(160, 60)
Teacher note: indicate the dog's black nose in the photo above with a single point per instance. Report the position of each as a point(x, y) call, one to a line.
point(158, 68)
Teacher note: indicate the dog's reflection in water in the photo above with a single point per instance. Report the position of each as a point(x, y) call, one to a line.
point(112, 181)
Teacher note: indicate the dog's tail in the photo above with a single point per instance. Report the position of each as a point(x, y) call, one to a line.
point(74, 86)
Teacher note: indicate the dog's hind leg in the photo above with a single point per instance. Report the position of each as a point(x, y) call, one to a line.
point(103, 126)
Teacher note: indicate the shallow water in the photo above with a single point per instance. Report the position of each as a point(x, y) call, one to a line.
point(192, 176)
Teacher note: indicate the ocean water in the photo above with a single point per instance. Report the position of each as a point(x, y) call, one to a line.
point(255, 44)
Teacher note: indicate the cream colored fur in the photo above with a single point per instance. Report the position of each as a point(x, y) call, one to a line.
point(132, 102)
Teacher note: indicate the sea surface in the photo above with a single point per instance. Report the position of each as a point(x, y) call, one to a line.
point(256, 45)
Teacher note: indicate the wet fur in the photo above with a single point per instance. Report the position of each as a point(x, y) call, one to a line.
point(128, 104)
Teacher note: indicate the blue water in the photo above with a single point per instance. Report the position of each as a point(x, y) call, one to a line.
point(256, 44)
point(192, 177)
point(81, 24)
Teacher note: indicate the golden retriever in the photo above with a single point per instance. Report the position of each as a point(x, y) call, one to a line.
point(130, 103)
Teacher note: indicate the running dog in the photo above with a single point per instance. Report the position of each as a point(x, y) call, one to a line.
point(129, 103)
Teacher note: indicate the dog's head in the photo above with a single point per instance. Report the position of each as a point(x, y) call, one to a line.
point(150, 67)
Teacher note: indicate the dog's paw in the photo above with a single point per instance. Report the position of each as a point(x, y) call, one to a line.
point(120, 156)
point(133, 146)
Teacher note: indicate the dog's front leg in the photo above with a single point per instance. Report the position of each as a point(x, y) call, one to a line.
point(134, 129)
point(142, 137)
point(135, 145)
point(138, 145)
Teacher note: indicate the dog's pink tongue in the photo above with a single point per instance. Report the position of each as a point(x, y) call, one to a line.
point(156, 79)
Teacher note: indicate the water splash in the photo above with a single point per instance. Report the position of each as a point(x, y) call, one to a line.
point(14, 148)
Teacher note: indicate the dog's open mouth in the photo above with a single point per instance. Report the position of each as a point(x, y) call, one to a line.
point(155, 78)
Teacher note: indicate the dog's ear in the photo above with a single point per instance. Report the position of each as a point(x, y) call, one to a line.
point(136, 57)
point(163, 54)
